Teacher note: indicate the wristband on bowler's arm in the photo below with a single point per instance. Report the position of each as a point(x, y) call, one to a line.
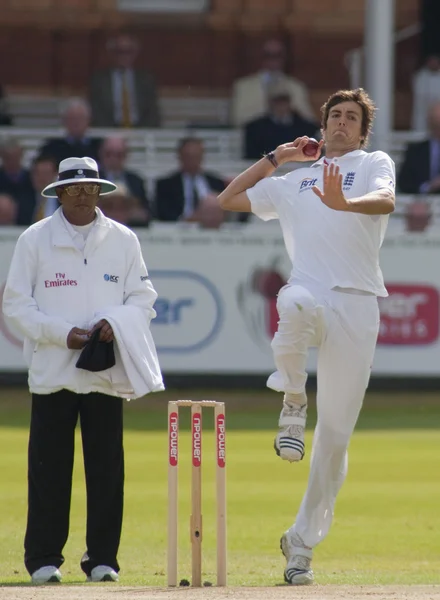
point(271, 158)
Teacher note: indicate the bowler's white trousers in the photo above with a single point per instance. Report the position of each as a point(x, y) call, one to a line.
point(344, 326)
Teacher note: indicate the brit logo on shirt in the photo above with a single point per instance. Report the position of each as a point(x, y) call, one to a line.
point(348, 181)
point(307, 183)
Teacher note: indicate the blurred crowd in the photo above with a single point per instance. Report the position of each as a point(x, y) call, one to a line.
point(270, 106)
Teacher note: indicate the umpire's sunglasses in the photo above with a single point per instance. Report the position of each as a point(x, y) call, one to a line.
point(75, 189)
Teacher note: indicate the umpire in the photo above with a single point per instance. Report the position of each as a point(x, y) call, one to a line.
point(67, 269)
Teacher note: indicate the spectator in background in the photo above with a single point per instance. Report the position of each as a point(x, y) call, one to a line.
point(426, 91)
point(123, 207)
point(123, 96)
point(15, 180)
point(181, 195)
point(280, 125)
point(113, 156)
point(418, 216)
point(76, 141)
point(8, 210)
point(44, 171)
point(429, 19)
point(420, 169)
point(13, 175)
point(413, 214)
point(249, 94)
point(5, 117)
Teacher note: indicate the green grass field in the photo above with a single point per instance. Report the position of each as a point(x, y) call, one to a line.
point(387, 522)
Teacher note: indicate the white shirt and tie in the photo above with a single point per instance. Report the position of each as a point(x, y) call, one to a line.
point(121, 78)
point(195, 188)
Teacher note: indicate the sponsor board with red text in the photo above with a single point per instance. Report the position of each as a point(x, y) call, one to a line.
point(196, 428)
point(217, 301)
point(173, 439)
point(221, 440)
point(410, 315)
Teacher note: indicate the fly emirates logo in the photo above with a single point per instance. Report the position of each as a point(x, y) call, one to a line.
point(60, 280)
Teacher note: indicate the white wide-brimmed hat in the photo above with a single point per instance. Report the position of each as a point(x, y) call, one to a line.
point(75, 170)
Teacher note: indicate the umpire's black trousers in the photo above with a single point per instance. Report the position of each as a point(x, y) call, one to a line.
point(50, 464)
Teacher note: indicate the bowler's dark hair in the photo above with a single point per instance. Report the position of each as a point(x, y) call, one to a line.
point(359, 96)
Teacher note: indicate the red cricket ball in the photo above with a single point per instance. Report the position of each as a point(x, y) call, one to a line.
point(311, 147)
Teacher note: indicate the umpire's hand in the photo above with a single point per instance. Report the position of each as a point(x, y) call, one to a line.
point(77, 338)
point(106, 333)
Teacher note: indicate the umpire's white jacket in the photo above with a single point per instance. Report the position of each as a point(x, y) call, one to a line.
point(52, 286)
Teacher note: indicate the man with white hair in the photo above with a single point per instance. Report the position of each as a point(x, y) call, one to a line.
point(113, 157)
point(76, 141)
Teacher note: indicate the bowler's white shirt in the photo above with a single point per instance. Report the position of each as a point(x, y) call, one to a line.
point(329, 248)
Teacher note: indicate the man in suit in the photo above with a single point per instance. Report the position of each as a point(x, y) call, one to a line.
point(5, 117)
point(186, 195)
point(426, 92)
point(124, 208)
point(31, 205)
point(15, 180)
point(44, 171)
point(76, 141)
point(123, 96)
point(8, 210)
point(280, 125)
point(429, 18)
point(420, 170)
point(249, 94)
point(113, 156)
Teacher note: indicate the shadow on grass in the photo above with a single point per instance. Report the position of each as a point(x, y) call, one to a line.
point(29, 584)
point(248, 410)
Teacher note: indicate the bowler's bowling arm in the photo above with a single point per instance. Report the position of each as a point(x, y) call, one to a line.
point(234, 197)
point(379, 202)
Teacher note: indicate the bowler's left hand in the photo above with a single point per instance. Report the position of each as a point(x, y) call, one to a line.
point(106, 333)
point(332, 195)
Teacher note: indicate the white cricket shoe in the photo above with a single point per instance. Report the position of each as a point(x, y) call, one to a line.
point(299, 557)
point(103, 573)
point(49, 574)
point(289, 442)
